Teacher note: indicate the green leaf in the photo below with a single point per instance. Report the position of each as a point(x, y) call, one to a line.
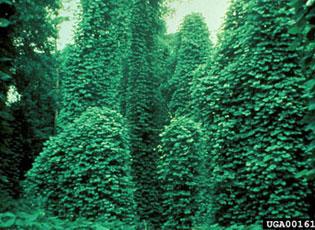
point(310, 3)
point(294, 30)
point(9, 2)
point(7, 220)
point(4, 76)
point(4, 22)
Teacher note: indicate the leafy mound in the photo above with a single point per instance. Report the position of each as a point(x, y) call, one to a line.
point(85, 170)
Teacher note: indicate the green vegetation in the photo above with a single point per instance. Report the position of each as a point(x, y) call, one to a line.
point(28, 68)
point(142, 108)
point(180, 170)
point(260, 105)
point(29, 216)
point(193, 51)
point(6, 50)
point(86, 82)
point(304, 28)
point(147, 130)
point(85, 171)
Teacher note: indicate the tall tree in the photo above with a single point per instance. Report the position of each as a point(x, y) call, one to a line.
point(305, 29)
point(7, 10)
point(194, 50)
point(142, 107)
point(93, 70)
point(210, 96)
point(263, 146)
point(96, 69)
point(32, 78)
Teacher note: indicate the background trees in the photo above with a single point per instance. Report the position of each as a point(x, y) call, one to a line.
point(27, 56)
point(35, 74)
point(7, 52)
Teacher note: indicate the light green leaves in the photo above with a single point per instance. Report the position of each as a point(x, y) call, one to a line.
point(4, 22)
point(4, 76)
point(7, 219)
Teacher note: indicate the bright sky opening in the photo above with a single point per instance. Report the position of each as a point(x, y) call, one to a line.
point(212, 10)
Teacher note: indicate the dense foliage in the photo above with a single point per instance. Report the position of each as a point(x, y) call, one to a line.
point(86, 169)
point(29, 65)
point(35, 75)
point(7, 52)
point(193, 51)
point(94, 68)
point(259, 103)
point(180, 170)
point(28, 215)
point(149, 130)
point(142, 108)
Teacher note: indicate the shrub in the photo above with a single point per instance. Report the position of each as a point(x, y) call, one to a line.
point(85, 171)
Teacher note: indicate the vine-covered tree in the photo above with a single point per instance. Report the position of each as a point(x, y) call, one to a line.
point(208, 88)
point(262, 113)
point(305, 29)
point(96, 70)
point(210, 93)
point(143, 108)
point(180, 172)
point(85, 171)
point(194, 50)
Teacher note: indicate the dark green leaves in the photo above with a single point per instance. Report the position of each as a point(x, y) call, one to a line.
point(252, 117)
point(193, 52)
point(86, 169)
point(143, 108)
point(180, 169)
